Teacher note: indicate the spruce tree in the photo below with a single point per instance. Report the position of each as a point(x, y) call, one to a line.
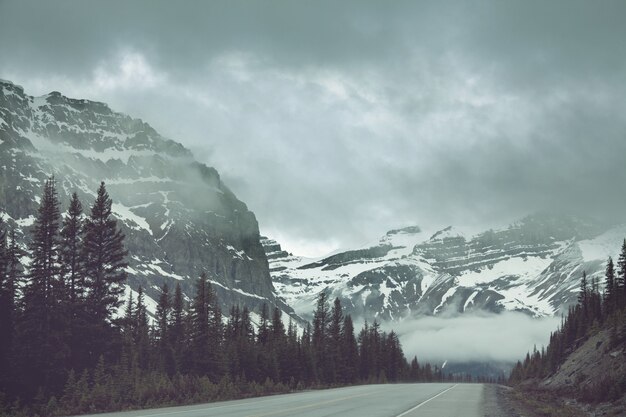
point(583, 294)
point(320, 333)
point(128, 335)
point(621, 278)
point(6, 312)
point(71, 251)
point(163, 313)
point(246, 325)
point(365, 352)
point(177, 327)
point(610, 293)
point(217, 360)
point(72, 273)
point(141, 331)
point(199, 332)
point(277, 328)
point(11, 278)
point(375, 340)
point(104, 258)
point(335, 362)
point(263, 333)
point(278, 344)
point(43, 327)
point(247, 355)
point(350, 352)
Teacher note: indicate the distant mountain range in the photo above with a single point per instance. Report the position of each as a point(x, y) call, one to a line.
point(178, 216)
point(180, 219)
point(533, 266)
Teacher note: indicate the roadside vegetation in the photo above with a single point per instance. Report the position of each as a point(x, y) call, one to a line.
point(64, 350)
point(585, 357)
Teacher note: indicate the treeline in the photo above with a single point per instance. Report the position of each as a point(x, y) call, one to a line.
point(58, 314)
point(64, 350)
point(595, 311)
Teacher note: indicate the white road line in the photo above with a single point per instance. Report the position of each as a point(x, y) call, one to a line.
point(424, 402)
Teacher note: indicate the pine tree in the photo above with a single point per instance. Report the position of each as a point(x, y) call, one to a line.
point(141, 332)
point(320, 332)
point(217, 360)
point(247, 355)
point(246, 325)
point(414, 373)
point(306, 356)
point(177, 327)
point(71, 251)
point(104, 271)
point(395, 357)
point(278, 344)
point(8, 305)
point(72, 273)
point(375, 340)
point(365, 352)
point(263, 333)
point(620, 282)
point(335, 363)
point(290, 365)
point(350, 352)
point(583, 294)
point(6, 313)
point(163, 313)
point(128, 335)
point(43, 327)
point(610, 293)
point(233, 335)
point(199, 332)
point(277, 328)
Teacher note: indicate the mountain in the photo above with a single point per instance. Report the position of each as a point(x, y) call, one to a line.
point(534, 266)
point(178, 216)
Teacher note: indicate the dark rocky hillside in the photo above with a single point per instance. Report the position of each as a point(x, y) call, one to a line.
point(178, 216)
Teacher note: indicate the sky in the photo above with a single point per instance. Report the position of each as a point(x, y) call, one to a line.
point(337, 121)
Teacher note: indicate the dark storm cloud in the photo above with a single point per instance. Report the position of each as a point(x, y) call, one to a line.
point(336, 121)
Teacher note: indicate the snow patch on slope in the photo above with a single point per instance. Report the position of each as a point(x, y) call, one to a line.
point(603, 246)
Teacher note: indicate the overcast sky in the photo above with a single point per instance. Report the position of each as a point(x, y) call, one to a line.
point(336, 121)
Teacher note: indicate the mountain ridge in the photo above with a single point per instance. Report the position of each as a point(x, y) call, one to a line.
point(530, 266)
point(178, 216)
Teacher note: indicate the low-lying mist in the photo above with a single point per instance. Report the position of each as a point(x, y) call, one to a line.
point(483, 337)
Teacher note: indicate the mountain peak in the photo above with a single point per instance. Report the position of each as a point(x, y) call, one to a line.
point(178, 217)
point(405, 230)
point(448, 232)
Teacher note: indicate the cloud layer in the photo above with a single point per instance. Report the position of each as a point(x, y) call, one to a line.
point(337, 122)
point(505, 337)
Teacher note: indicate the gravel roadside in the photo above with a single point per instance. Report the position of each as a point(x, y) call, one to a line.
point(497, 403)
point(503, 401)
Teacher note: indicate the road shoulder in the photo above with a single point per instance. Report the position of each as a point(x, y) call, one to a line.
point(503, 401)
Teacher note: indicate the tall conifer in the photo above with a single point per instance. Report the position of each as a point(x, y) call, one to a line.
point(43, 327)
point(620, 282)
point(104, 257)
point(610, 290)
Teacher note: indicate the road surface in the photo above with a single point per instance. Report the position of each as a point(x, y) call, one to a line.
point(390, 400)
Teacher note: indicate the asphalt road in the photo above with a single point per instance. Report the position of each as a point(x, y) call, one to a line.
point(390, 400)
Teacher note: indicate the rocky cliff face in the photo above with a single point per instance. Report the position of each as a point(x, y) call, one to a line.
point(178, 216)
point(533, 266)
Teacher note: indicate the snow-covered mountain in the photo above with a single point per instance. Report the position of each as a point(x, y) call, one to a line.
point(178, 216)
point(534, 266)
